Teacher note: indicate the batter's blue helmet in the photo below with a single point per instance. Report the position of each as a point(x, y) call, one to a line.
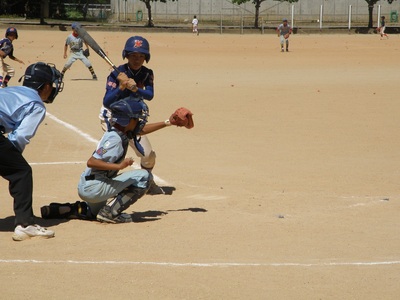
point(12, 30)
point(40, 73)
point(137, 44)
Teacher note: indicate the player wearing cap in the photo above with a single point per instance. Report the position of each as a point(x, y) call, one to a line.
point(136, 81)
point(76, 51)
point(284, 30)
point(7, 49)
point(22, 110)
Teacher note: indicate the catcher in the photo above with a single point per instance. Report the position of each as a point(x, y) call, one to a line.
point(101, 181)
point(7, 49)
point(77, 52)
point(284, 30)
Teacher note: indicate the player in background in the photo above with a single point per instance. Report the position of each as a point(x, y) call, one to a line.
point(195, 25)
point(7, 49)
point(134, 81)
point(284, 30)
point(21, 112)
point(76, 51)
point(382, 28)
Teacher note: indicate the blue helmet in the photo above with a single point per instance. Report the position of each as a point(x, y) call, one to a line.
point(129, 108)
point(137, 44)
point(40, 73)
point(12, 30)
point(75, 25)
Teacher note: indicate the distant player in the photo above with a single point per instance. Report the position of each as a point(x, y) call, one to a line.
point(76, 45)
point(195, 25)
point(284, 30)
point(7, 49)
point(382, 28)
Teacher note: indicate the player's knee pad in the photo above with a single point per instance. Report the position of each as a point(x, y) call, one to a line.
point(148, 161)
point(126, 198)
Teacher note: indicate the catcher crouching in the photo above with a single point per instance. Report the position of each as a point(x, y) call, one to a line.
point(102, 179)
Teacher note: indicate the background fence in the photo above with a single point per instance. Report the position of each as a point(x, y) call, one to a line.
point(306, 13)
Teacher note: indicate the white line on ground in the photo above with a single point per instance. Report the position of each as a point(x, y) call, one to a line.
point(175, 264)
point(58, 163)
point(73, 128)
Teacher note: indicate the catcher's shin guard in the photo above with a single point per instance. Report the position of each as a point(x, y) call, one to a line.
point(77, 210)
point(125, 199)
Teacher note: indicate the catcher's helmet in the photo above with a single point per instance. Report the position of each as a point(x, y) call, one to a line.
point(40, 73)
point(129, 108)
point(137, 44)
point(12, 30)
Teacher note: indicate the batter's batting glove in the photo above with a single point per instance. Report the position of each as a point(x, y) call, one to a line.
point(182, 117)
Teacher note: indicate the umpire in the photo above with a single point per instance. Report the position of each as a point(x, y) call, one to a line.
point(21, 112)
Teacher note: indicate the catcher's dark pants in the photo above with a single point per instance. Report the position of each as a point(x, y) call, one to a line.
point(16, 170)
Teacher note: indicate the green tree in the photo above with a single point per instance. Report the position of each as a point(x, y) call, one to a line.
point(257, 4)
point(148, 6)
point(371, 4)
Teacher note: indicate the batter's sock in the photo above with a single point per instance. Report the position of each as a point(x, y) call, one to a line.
point(92, 72)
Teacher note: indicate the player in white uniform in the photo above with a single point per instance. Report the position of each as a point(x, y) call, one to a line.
point(284, 30)
point(76, 51)
point(195, 25)
point(7, 49)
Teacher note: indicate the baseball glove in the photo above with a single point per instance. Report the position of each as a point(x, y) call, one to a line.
point(286, 36)
point(182, 117)
point(86, 52)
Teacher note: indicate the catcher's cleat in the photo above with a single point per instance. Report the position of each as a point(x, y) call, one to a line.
point(106, 216)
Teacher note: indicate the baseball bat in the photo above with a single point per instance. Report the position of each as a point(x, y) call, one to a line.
point(84, 35)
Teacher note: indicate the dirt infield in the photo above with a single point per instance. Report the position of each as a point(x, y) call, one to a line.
point(286, 188)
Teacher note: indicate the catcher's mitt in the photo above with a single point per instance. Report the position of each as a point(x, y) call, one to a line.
point(286, 36)
point(182, 117)
point(86, 52)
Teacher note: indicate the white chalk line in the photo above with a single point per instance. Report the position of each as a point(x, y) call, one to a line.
point(58, 163)
point(177, 264)
point(73, 128)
